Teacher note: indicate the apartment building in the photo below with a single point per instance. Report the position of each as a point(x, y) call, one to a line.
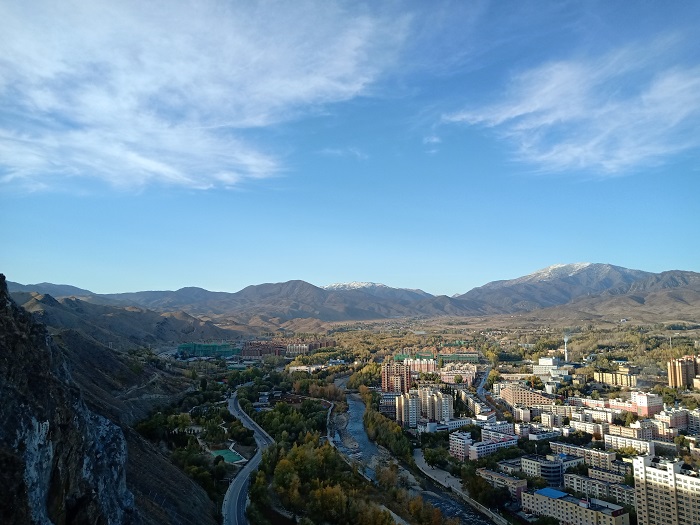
point(619, 378)
point(661, 431)
point(484, 448)
point(589, 427)
point(408, 409)
point(387, 404)
point(551, 420)
point(618, 442)
point(396, 377)
point(591, 456)
point(572, 511)
point(674, 417)
point(504, 427)
point(459, 445)
point(666, 492)
point(647, 404)
point(641, 403)
point(419, 365)
point(641, 429)
point(682, 371)
point(515, 486)
point(451, 370)
point(494, 435)
point(435, 405)
point(611, 476)
point(591, 487)
point(517, 394)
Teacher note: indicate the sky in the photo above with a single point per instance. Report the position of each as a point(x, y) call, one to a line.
point(433, 145)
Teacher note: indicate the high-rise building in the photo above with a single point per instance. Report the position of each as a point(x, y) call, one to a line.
point(682, 371)
point(396, 377)
point(435, 405)
point(666, 492)
point(407, 409)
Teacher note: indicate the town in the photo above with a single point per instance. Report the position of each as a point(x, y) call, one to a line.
point(591, 439)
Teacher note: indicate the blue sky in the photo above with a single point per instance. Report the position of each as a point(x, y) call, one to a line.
point(432, 145)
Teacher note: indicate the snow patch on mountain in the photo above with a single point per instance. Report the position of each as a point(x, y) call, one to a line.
point(556, 271)
point(354, 285)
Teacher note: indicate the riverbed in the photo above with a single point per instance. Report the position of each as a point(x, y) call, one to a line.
point(352, 440)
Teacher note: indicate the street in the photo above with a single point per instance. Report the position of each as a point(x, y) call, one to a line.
point(235, 501)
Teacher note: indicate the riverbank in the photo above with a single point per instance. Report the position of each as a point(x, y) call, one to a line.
point(453, 484)
point(352, 441)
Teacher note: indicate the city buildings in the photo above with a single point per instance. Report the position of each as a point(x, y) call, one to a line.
point(666, 492)
point(396, 377)
point(596, 488)
point(466, 371)
point(550, 467)
point(641, 403)
point(301, 348)
point(484, 448)
point(625, 376)
point(573, 511)
point(515, 486)
point(517, 394)
point(618, 442)
point(682, 371)
point(408, 409)
point(459, 444)
point(592, 457)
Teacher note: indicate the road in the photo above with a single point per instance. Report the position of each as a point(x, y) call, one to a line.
point(235, 501)
point(480, 388)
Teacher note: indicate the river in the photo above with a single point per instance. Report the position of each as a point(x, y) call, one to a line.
point(365, 450)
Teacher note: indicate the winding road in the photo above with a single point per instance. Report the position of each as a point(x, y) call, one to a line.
point(235, 501)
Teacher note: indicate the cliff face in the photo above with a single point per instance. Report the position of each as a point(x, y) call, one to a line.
point(59, 461)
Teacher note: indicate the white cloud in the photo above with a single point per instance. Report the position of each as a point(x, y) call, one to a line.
point(345, 152)
point(136, 93)
point(628, 108)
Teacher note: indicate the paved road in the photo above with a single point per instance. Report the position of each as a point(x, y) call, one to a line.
point(236, 498)
point(480, 388)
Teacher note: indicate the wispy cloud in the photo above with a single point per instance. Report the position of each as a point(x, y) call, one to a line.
point(137, 93)
point(631, 107)
point(345, 152)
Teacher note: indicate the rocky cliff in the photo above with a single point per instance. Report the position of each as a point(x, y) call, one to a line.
point(59, 461)
point(67, 452)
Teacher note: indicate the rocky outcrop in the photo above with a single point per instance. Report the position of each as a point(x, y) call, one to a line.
point(59, 461)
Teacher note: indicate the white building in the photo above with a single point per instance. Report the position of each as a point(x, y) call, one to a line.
point(572, 511)
point(460, 443)
point(666, 493)
point(640, 445)
point(484, 448)
point(407, 409)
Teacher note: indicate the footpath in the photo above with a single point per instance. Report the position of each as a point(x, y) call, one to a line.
point(448, 481)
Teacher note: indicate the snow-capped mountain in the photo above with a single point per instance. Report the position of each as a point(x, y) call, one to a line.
point(379, 290)
point(354, 285)
point(556, 284)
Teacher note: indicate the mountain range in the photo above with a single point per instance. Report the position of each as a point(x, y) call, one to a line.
point(569, 289)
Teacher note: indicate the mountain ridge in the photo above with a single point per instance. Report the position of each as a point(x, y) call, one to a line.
point(274, 304)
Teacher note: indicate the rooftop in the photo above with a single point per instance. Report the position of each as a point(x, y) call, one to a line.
point(593, 504)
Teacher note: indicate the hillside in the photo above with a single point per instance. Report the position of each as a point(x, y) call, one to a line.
point(68, 452)
point(123, 327)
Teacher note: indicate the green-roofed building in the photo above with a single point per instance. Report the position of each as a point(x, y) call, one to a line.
point(461, 357)
point(207, 350)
